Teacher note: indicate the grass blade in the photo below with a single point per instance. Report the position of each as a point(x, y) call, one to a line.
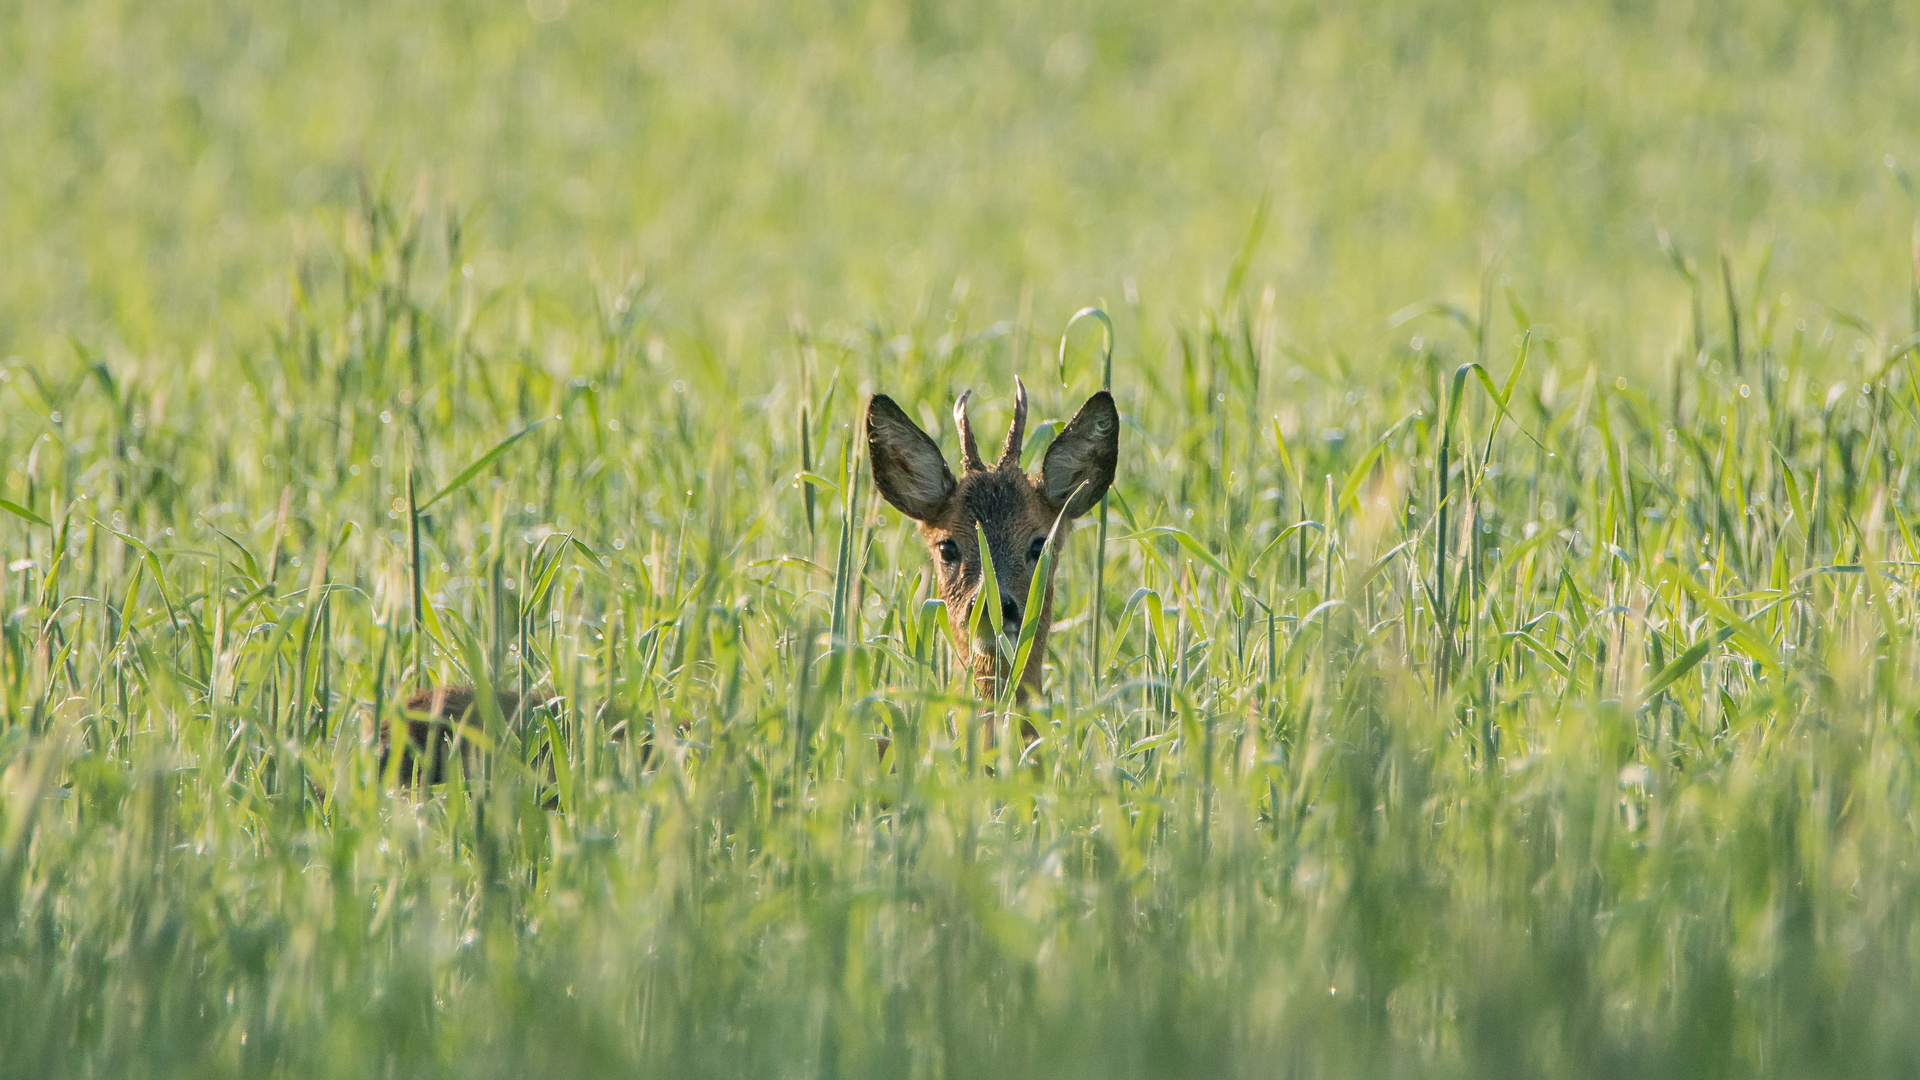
point(482, 462)
point(23, 513)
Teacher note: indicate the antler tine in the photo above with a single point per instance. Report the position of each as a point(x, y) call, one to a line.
point(1017, 433)
point(969, 450)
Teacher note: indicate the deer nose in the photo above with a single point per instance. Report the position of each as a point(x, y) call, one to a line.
point(1009, 613)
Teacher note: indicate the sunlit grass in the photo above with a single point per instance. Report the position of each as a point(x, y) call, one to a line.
point(1593, 756)
point(1553, 716)
point(887, 162)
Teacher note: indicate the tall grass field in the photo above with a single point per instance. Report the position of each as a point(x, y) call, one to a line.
point(1496, 656)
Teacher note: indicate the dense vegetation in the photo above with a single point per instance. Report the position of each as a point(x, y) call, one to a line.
point(1519, 682)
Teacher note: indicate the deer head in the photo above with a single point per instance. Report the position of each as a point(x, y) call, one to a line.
point(1016, 512)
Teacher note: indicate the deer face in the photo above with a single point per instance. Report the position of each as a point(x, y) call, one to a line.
point(1013, 510)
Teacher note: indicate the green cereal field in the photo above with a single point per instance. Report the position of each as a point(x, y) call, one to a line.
point(1497, 653)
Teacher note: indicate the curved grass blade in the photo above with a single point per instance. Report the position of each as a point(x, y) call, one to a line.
point(1186, 540)
point(1106, 369)
point(1100, 545)
point(1685, 662)
point(22, 512)
point(1036, 592)
point(484, 460)
point(1350, 491)
point(988, 596)
point(1280, 538)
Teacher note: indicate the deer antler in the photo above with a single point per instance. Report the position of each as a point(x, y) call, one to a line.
point(1017, 433)
point(969, 450)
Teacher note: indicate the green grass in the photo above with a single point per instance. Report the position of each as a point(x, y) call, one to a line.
point(1559, 722)
point(884, 162)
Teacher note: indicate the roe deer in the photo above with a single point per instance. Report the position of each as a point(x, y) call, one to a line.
point(437, 720)
point(1015, 512)
point(441, 718)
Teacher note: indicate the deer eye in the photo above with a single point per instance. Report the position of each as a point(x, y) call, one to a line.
point(949, 551)
point(1034, 549)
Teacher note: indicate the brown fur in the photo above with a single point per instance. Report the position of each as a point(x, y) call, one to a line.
point(437, 718)
point(434, 718)
point(1012, 509)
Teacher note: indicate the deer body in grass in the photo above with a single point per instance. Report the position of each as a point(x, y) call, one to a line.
point(438, 721)
point(1014, 511)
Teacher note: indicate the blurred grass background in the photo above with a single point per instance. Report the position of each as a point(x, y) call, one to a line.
point(854, 161)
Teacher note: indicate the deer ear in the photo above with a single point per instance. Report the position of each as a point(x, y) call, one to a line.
point(1079, 465)
point(908, 467)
